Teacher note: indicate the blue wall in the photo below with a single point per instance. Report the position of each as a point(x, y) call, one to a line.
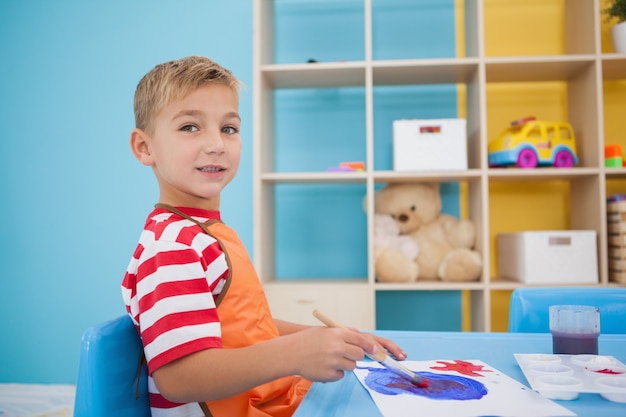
point(73, 197)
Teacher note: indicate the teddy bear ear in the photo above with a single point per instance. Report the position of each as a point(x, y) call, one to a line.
point(435, 186)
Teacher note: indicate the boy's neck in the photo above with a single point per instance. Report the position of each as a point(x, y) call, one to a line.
point(207, 205)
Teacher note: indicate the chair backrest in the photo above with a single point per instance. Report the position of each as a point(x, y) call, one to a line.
point(109, 366)
point(528, 311)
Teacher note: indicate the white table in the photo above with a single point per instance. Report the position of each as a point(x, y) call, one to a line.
point(36, 400)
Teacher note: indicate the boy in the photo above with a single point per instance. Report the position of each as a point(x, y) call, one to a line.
point(210, 341)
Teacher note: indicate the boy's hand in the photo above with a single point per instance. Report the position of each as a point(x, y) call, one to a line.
point(323, 354)
point(390, 346)
point(386, 344)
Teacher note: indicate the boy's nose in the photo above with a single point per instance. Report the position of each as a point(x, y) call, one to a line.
point(213, 142)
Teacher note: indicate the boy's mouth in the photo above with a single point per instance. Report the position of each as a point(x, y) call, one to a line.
point(211, 169)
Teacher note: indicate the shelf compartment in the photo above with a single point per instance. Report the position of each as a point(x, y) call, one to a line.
point(540, 27)
point(402, 29)
point(304, 30)
point(321, 230)
point(558, 204)
point(574, 100)
point(413, 101)
point(295, 302)
point(614, 109)
point(317, 129)
point(419, 310)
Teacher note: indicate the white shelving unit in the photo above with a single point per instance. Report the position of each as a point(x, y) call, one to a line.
point(583, 67)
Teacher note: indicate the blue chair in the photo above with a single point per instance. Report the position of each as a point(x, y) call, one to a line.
point(528, 310)
point(108, 372)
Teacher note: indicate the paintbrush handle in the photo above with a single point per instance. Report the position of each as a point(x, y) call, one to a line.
point(380, 355)
point(327, 321)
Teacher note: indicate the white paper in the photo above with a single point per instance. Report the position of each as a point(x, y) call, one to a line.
point(36, 400)
point(479, 389)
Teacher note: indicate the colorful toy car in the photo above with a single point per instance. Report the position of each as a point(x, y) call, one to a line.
point(528, 143)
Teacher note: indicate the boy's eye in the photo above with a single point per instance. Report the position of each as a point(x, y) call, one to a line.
point(229, 129)
point(189, 128)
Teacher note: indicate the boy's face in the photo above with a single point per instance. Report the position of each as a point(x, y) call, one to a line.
point(195, 148)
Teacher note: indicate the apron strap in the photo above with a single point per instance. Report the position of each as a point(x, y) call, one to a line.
point(205, 409)
point(205, 227)
point(142, 362)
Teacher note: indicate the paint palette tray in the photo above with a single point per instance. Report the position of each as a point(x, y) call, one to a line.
point(564, 377)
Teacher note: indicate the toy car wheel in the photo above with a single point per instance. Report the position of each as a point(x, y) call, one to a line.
point(563, 159)
point(527, 159)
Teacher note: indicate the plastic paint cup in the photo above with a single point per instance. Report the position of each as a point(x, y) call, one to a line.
point(575, 329)
point(558, 387)
point(614, 388)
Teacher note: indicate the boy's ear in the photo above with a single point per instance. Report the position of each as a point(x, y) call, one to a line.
point(140, 147)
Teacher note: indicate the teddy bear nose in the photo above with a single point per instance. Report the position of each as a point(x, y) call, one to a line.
point(403, 218)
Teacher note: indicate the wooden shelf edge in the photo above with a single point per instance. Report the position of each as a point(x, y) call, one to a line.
point(429, 286)
point(315, 282)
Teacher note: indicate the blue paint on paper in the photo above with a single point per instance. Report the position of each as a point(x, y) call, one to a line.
point(440, 386)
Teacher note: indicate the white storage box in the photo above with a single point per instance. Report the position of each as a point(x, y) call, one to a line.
point(549, 257)
point(429, 144)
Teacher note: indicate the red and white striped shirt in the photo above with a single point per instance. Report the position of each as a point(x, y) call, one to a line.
point(170, 287)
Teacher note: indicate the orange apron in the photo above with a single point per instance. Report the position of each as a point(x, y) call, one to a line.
point(246, 319)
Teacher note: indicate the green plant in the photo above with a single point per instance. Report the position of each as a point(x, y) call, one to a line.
point(617, 10)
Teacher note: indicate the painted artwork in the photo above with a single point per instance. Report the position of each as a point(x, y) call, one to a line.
point(456, 388)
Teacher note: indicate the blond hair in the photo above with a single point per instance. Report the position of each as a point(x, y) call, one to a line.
point(174, 80)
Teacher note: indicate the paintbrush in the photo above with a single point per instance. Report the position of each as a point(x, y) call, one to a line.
point(380, 356)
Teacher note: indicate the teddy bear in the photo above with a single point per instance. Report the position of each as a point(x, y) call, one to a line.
point(394, 254)
point(445, 243)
